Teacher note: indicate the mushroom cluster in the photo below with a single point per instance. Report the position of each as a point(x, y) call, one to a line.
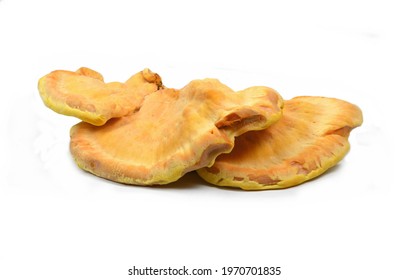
point(139, 132)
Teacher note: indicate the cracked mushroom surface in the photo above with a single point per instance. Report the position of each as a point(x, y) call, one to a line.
point(173, 132)
point(310, 138)
point(85, 95)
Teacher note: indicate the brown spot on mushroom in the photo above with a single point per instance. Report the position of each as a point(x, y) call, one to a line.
point(300, 168)
point(263, 179)
point(213, 170)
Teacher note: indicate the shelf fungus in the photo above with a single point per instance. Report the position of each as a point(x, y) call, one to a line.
point(85, 95)
point(310, 138)
point(141, 133)
point(173, 132)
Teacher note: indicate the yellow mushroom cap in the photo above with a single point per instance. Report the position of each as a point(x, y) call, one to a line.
point(85, 95)
point(173, 132)
point(311, 137)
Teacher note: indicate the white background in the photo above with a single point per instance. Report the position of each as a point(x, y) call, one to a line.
point(58, 222)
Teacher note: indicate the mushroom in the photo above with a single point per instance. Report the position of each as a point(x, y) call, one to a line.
point(173, 132)
point(310, 138)
point(85, 95)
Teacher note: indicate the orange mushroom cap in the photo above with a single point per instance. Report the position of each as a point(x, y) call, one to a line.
point(85, 95)
point(311, 137)
point(173, 132)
